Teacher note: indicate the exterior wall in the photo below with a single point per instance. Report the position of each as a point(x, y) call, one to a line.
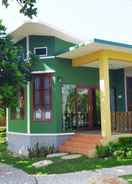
point(42, 41)
point(117, 82)
point(19, 143)
point(19, 125)
point(22, 44)
point(54, 45)
point(60, 45)
point(64, 73)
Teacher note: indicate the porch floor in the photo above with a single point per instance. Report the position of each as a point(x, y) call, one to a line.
point(90, 132)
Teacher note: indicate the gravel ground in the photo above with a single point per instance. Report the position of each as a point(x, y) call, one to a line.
point(11, 175)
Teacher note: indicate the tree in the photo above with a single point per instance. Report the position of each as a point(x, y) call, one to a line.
point(15, 71)
point(27, 7)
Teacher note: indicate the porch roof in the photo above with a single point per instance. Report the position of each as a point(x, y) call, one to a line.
point(119, 54)
point(94, 46)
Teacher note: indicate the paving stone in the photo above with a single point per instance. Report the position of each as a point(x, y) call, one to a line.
point(56, 155)
point(11, 175)
point(42, 163)
point(71, 156)
point(83, 176)
point(106, 179)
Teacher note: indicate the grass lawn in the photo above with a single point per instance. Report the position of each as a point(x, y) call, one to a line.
point(59, 165)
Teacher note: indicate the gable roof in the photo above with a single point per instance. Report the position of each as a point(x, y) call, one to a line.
point(39, 28)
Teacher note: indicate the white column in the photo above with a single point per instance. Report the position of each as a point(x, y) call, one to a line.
point(28, 107)
point(28, 89)
point(7, 119)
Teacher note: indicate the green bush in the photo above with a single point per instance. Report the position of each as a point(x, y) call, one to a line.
point(125, 141)
point(103, 151)
point(120, 150)
point(42, 151)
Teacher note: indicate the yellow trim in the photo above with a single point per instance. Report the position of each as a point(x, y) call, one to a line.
point(95, 56)
point(116, 55)
point(104, 96)
point(87, 59)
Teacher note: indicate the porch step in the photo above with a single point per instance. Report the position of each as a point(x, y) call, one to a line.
point(81, 143)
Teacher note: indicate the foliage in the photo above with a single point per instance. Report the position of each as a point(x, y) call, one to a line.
point(27, 7)
point(120, 150)
point(42, 151)
point(15, 71)
point(65, 166)
point(76, 100)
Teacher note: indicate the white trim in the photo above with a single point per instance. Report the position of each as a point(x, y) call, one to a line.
point(28, 107)
point(7, 119)
point(37, 134)
point(28, 88)
point(41, 56)
point(39, 72)
point(47, 57)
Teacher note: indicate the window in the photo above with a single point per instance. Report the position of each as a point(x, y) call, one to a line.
point(42, 97)
point(18, 112)
point(41, 51)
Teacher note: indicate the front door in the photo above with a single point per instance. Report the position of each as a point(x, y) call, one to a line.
point(88, 107)
point(81, 108)
point(84, 107)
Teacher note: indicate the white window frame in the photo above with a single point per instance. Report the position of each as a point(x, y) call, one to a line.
point(41, 56)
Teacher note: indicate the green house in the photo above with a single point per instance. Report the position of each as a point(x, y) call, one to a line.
point(74, 87)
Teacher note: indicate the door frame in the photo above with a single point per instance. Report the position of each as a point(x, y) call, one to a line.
point(90, 104)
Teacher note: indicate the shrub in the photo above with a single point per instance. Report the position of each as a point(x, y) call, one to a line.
point(103, 151)
point(120, 150)
point(42, 151)
point(125, 141)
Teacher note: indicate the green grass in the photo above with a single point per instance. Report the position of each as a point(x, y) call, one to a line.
point(59, 165)
point(128, 178)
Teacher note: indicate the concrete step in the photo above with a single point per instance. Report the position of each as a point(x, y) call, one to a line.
point(81, 143)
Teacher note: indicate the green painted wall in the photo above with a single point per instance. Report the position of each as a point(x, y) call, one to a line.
point(42, 41)
point(67, 74)
point(61, 45)
point(64, 73)
point(19, 125)
point(22, 44)
point(117, 82)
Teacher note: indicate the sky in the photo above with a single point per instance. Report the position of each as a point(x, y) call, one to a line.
point(83, 19)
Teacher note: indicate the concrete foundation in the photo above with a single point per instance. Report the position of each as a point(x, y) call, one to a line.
point(19, 143)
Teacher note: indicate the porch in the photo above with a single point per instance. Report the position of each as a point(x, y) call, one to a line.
point(121, 122)
point(106, 56)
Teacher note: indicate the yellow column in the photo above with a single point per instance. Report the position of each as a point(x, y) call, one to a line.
point(105, 96)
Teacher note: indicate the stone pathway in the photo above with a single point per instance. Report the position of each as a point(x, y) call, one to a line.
point(11, 175)
point(82, 177)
